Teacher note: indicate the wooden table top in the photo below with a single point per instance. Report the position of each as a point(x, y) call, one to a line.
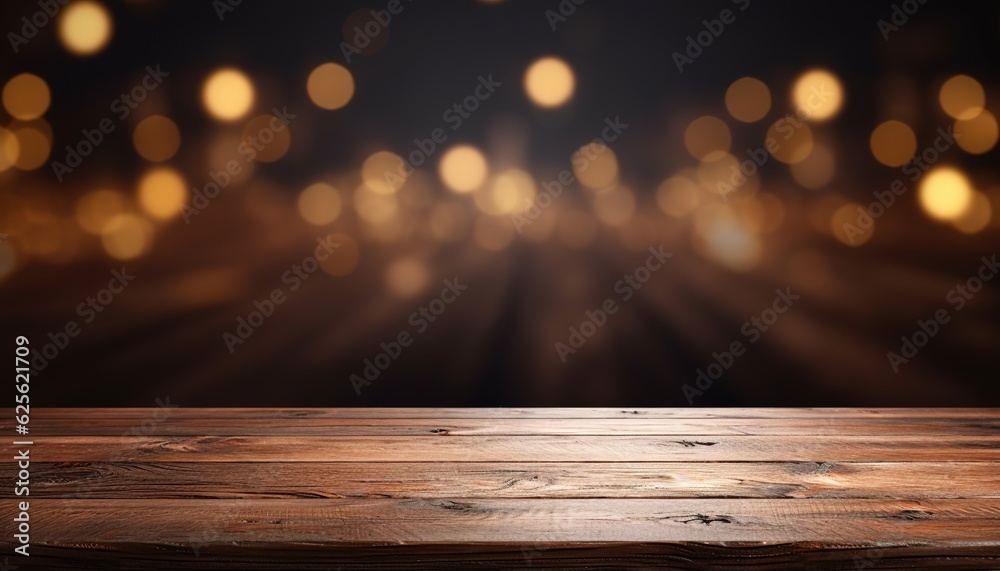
point(197, 488)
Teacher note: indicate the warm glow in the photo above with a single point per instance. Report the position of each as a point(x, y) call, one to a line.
point(33, 148)
point(509, 192)
point(345, 257)
point(817, 170)
point(945, 193)
point(549, 82)
point(449, 221)
point(493, 233)
point(228, 94)
point(818, 95)
point(375, 207)
point(748, 99)
point(26, 97)
point(330, 86)
point(595, 166)
point(156, 138)
point(84, 27)
point(977, 217)
point(406, 277)
point(615, 206)
point(127, 236)
point(678, 196)
point(162, 193)
point(791, 143)
point(707, 137)
point(576, 229)
point(719, 235)
point(893, 143)
point(10, 149)
point(977, 135)
point(846, 225)
point(381, 172)
point(962, 97)
point(95, 209)
point(463, 168)
point(267, 137)
point(319, 204)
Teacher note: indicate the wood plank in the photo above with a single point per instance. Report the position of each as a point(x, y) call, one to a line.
point(636, 426)
point(212, 480)
point(447, 448)
point(465, 520)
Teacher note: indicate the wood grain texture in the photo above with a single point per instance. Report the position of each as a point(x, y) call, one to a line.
point(206, 489)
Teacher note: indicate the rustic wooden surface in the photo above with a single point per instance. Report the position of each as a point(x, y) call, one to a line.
point(511, 488)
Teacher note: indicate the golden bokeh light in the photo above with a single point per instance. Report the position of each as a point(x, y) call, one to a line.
point(977, 217)
point(162, 193)
point(818, 95)
point(95, 210)
point(382, 172)
point(267, 137)
point(962, 97)
point(595, 166)
point(127, 236)
point(493, 233)
point(33, 148)
point(725, 177)
point(156, 138)
point(463, 168)
point(791, 144)
point(615, 206)
point(319, 204)
point(330, 86)
point(375, 207)
point(407, 277)
point(576, 229)
point(450, 222)
point(748, 99)
point(848, 225)
point(707, 138)
point(228, 94)
point(817, 170)
point(893, 143)
point(84, 27)
point(718, 234)
point(345, 257)
point(10, 149)
point(26, 97)
point(549, 82)
point(678, 196)
point(8, 258)
point(945, 193)
point(978, 134)
point(509, 192)
point(763, 213)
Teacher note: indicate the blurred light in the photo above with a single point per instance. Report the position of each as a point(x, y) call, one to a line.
point(8, 258)
point(449, 222)
point(26, 97)
point(549, 82)
point(818, 95)
point(820, 211)
point(406, 277)
point(576, 229)
point(463, 168)
point(945, 193)
point(162, 193)
point(817, 170)
point(962, 97)
point(707, 138)
point(268, 143)
point(127, 236)
point(330, 86)
point(615, 206)
point(678, 196)
point(84, 27)
point(748, 99)
point(374, 207)
point(228, 94)
point(33, 148)
point(763, 213)
point(418, 191)
point(376, 170)
point(808, 268)
point(724, 177)
point(509, 192)
point(10, 149)
point(493, 233)
point(977, 216)
point(719, 235)
point(791, 144)
point(596, 167)
point(319, 204)
point(977, 135)
point(156, 138)
point(208, 286)
point(345, 257)
point(95, 210)
point(893, 143)
point(845, 224)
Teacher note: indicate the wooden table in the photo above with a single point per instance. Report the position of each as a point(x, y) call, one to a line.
point(184, 488)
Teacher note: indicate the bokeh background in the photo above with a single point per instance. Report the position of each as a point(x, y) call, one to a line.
point(229, 67)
